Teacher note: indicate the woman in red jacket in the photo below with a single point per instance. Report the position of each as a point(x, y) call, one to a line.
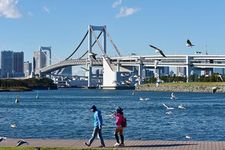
point(119, 127)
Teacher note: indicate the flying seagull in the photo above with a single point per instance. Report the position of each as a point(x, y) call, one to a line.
point(157, 50)
point(168, 108)
point(20, 142)
point(93, 55)
point(189, 44)
point(2, 139)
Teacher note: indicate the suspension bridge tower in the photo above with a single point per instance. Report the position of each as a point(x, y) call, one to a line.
point(102, 46)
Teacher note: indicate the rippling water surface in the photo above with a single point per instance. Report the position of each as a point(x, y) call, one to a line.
point(65, 114)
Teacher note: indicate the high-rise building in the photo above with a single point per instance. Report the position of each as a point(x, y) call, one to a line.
point(18, 60)
point(39, 61)
point(6, 64)
point(27, 68)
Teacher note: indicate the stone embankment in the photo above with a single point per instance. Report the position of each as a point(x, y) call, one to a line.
point(184, 87)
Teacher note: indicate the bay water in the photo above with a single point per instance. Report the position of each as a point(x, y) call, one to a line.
point(65, 114)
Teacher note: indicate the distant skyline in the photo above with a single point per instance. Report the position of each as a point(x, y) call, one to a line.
point(26, 25)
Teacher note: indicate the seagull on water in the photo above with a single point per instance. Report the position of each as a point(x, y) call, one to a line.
point(17, 100)
point(189, 44)
point(2, 139)
point(157, 50)
point(173, 96)
point(37, 96)
point(13, 125)
point(188, 137)
point(169, 113)
point(21, 142)
point(181, 106)
point(168, 108)
point(143, 99)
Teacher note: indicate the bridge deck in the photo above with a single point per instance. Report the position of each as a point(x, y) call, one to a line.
point(153, 145)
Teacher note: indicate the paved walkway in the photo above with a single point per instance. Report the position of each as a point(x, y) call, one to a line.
point(151, 145)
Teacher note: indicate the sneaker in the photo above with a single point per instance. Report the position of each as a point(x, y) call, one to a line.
point(117, 145)
point(122, 145)
point(101, 146)
point(87, 144)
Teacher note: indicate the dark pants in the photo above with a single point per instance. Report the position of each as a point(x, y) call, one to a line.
point(96, 132)
point(119, 130)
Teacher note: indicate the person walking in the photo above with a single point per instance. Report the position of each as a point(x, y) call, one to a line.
point(120, 124)
point(97, 127)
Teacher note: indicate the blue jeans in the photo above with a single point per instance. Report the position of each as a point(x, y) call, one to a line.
point(96, 132)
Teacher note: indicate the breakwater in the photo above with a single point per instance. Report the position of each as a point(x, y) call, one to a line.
point(205, 87)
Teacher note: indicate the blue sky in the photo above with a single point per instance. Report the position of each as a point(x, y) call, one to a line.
point(133, 24)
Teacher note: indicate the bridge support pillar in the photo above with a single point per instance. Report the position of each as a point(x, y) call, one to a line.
point(89, 56)
point(140, 70)
point(188, 68)
point(91, 32)
point(118, 66)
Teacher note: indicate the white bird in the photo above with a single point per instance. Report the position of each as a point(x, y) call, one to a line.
point(143, 99)
point(168, 108)
point(221, 78)
point(157, 50)
point(188, 137)
point(37, 96)
point(17, 100)
point(20, 142)
point(172, 96)
point(181, 106)
point(169, 112)
point(13, 125)
point(2, 139)
point(189, 44)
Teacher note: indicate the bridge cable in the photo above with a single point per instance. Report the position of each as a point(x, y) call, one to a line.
point(83, 55)
point(78, 46)
point(114, 45)
point(91, 45)
point(100, 46)
point(60, 70)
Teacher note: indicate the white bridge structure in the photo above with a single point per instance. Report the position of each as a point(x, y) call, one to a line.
point(114, 67)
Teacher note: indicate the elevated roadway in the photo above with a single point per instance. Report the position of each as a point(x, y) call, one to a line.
point(193, 61)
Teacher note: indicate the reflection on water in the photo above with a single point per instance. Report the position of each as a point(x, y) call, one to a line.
point(65, 114)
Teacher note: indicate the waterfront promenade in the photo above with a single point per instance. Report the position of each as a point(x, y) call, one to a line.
point(152, 145)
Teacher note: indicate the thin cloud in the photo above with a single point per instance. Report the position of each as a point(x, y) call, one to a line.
point(46, 9)
point(126, 11)
point(117, 3)
point(8, 9)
